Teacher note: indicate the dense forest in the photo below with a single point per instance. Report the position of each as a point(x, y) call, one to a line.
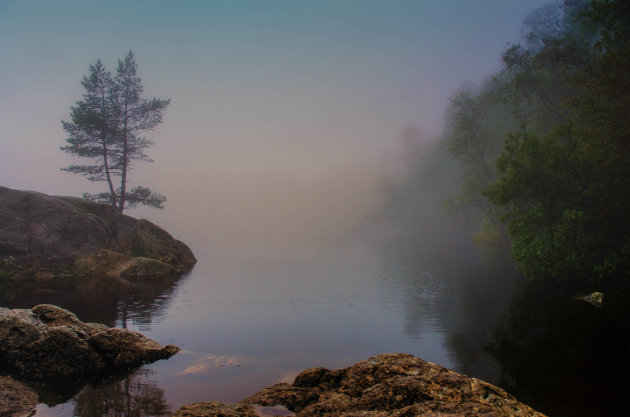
point(541, 151)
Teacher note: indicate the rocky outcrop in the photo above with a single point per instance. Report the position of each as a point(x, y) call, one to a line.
point(16, 399)
point(398, 385)
point(48, 342)
point(46, 236)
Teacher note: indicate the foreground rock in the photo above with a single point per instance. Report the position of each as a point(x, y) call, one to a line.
point(386, 385)
point(16, 399)
point(48, 342)
point(46, 236)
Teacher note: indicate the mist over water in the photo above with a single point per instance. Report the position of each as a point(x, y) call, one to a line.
point(270, 206)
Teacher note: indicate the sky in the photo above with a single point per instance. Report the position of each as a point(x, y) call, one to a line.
point(283, 113)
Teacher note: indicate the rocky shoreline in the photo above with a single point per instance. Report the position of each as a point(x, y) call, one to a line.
point(398, 385)
point(48, 344)
point(43, 236)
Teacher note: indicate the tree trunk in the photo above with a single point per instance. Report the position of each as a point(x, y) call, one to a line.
point(112, 191)
point(125, 157)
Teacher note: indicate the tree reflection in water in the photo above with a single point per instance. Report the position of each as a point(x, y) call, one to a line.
point(458, 289)
point(555, 353)
point(133, 396)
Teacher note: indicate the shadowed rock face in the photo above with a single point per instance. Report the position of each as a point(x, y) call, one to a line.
point(46, 236)
point(386, 385)
point(48, 342)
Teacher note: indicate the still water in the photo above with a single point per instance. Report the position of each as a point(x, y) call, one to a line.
point(248, 317)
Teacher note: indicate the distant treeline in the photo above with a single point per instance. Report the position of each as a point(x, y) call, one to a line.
point(542, 149)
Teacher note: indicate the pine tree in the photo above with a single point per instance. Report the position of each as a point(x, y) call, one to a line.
point(107, 127)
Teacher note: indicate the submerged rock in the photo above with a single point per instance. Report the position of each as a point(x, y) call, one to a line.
point(49, 342)
point(595, 299)
point(385, 385)
point(16, 399)
point(44, 236)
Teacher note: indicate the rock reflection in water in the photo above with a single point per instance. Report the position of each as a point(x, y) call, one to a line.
point(111, 301)
point(133, 396)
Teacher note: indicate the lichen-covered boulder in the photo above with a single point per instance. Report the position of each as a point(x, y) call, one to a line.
point(49, 342)
point(397, 385)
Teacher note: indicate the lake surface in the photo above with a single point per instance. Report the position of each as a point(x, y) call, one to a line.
point(248, 317)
